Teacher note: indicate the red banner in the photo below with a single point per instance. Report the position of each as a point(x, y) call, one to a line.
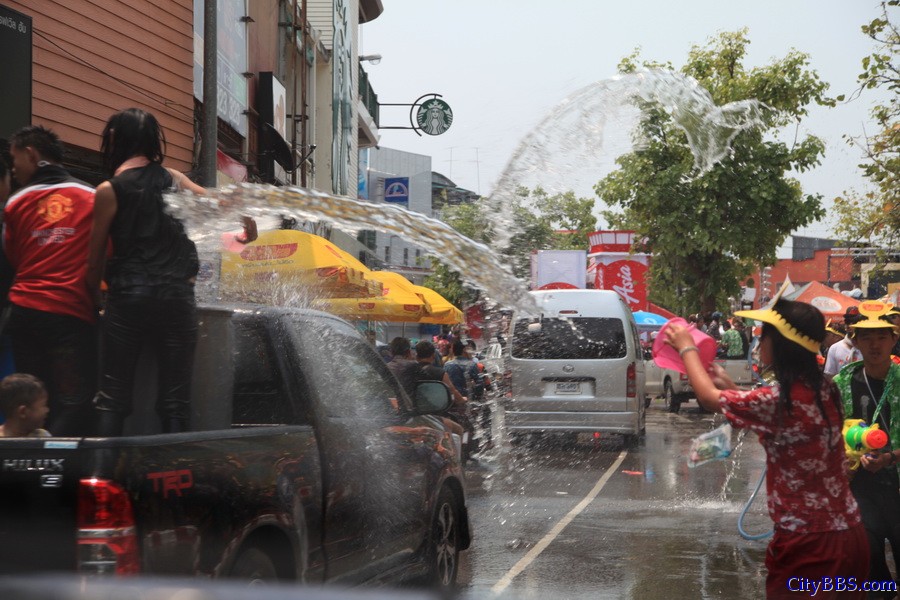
point(627, 277)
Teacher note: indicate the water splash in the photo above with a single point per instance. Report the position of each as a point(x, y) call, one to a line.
point(579, 140)
point(577, 144)
point(478, 265)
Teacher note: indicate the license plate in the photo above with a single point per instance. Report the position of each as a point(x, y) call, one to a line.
point(568, 387)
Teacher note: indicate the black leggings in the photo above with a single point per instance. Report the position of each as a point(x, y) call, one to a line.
point(170, 326)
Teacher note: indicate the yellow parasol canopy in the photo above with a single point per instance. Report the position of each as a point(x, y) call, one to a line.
point(289, 261)
point(399, 302)
point(439, 310)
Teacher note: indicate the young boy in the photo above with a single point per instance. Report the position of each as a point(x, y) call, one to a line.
point(23, 399)
point(870, 390)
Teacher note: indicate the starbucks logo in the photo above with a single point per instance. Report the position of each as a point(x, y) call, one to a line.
point(434, 116)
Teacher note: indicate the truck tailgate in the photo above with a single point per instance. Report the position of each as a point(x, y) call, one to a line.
point(38, 497)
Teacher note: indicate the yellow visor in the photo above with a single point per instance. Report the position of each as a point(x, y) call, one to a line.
point(772, 317)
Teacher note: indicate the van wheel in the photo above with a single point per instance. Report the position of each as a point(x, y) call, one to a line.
point(255, 566)
point(647, 400)
point(672, 402)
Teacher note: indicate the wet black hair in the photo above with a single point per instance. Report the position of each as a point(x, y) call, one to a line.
point(425, 349)
point(41, 139)
point(458, 348)
point(792, 362)
point(131, 132)
point(400, 346)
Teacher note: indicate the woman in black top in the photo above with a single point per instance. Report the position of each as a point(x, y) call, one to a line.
point(150, 274)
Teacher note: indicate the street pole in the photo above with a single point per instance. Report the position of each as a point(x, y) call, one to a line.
point(304, 76)
point(209, 127)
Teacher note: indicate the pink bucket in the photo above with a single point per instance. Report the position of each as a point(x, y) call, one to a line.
point(666, 357)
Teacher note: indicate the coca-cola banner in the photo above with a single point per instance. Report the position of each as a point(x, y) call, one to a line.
point(623, 273)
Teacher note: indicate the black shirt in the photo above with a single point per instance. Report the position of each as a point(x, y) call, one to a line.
point(150, 247)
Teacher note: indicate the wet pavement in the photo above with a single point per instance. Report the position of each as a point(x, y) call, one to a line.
point(560, 518)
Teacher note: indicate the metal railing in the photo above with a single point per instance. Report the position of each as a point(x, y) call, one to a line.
point(367, 95)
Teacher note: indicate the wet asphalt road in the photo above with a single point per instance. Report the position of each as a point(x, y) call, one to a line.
point(655, 529)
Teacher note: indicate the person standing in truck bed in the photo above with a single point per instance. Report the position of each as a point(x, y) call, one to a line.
point(46, 228)
point(150, 274)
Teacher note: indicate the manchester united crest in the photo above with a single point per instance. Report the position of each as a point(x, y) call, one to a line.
point(54, 207)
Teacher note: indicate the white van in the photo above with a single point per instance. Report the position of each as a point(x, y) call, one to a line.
point(578, 367)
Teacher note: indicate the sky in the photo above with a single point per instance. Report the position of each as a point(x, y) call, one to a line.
point(502, 65)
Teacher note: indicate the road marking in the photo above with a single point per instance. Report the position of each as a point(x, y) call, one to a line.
point(557, 529)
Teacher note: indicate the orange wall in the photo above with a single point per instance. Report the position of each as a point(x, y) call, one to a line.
point(95, 57)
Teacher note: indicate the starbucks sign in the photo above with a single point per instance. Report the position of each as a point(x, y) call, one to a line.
point(434, 116)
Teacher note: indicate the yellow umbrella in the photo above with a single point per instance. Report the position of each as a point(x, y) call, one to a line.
point(290, 259)
point(398, 302)
point(439, 310)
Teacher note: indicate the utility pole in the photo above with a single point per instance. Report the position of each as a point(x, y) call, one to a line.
point(304, 76)
point(209, 128)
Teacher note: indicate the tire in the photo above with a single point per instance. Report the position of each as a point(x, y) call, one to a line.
point(647, 401)
point(255, 566)
point(442, 554)
point(672, 400)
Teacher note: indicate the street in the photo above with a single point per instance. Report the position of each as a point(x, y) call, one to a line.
point(586, 519)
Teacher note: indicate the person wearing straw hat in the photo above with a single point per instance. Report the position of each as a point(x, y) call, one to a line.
point(818, 528)
point(870, 390)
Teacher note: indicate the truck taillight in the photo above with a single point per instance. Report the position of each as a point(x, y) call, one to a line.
point(631, 382)
point(107, 540)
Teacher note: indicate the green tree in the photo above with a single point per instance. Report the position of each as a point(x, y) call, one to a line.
point(548, 222)
point(873, 217)
point(706, 232)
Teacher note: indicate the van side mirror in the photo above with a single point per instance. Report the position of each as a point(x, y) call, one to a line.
point(431, 397)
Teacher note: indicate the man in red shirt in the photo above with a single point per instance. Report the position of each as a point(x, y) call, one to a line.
point(46, 228)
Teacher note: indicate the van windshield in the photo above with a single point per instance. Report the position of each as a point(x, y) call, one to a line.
point(570, 339)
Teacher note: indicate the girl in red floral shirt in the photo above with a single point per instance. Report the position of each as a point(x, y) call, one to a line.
point(818, 530)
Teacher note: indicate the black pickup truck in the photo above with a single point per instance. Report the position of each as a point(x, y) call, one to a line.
point(306, 461)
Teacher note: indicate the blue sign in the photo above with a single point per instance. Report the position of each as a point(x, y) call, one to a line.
point(396, 190)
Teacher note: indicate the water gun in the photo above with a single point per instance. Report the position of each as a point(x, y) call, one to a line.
point(860, 439)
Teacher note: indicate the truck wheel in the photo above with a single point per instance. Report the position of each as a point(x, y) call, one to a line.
point(673, 402)
point(442, 554)
point(255, 566)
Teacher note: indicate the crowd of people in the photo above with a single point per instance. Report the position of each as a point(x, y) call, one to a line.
point(71, 254)
point(449, 360)
point(832, 518)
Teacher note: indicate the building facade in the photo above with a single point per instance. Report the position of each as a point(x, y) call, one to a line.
point(287, 82)
point(90, 60)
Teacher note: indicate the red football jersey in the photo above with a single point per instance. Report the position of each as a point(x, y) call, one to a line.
point(46, 232)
